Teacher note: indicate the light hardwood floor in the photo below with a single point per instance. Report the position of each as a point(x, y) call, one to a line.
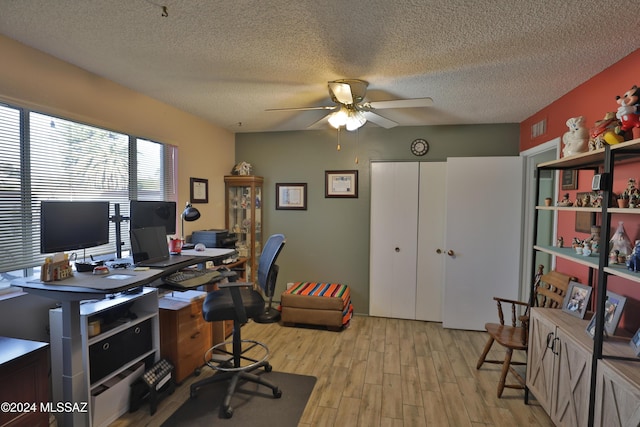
point(383, 372)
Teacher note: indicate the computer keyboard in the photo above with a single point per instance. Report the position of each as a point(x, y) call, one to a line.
point(191, 278)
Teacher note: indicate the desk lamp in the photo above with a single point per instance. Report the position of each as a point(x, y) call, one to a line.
point(189, 214)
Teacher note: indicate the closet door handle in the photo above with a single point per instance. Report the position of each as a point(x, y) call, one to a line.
point(450, 252)
point(438, 251)
point(397, 249)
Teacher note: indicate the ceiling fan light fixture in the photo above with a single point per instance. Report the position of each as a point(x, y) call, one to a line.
point(355, 120)
point(339, 118)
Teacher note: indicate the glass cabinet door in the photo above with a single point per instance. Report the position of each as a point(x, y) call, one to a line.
point(244, 218)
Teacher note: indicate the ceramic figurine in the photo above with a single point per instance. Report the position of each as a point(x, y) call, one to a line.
point(242, 168)
point(620, 242)
point(565, 202)
point(604, 132)
point(633, 263)
point(575, 140)
point(628, 110)
point(560, 242)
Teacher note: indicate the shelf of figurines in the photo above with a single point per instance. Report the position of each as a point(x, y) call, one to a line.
point(595, 158)
point(591, 260)
point(635, 210)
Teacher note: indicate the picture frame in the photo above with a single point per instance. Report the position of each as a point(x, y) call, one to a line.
point(199, 190)
point(635, 343)
point(569, 179)
point(291, 196)
point(341, 183)
point(584, 220)
point(576, 300)
point(591, 327)
point(613, 307)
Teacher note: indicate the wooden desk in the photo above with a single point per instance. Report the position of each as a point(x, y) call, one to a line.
point(24, 367)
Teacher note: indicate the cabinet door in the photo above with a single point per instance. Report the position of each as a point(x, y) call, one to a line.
point(540, 359)
point(570, 404)
point(393, 245)
point(617, 401)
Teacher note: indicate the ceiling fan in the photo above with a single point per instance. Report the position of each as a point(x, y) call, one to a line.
point(352, 111)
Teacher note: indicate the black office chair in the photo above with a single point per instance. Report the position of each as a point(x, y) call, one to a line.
point(239, 302)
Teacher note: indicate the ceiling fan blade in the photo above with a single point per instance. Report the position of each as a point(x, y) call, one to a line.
point(326, 107)
point(379, 120)
point(320, 124)
point(401, 103)
point(342, 92)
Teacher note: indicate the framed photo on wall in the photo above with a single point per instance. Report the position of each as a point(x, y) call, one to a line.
point(341, 184)
point(569, 179)
point(584, 220)
point(291, 196)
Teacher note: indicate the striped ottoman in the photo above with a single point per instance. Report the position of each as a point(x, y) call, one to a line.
point(322, 304)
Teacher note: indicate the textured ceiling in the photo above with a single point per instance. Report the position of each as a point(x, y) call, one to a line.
point(490, 61)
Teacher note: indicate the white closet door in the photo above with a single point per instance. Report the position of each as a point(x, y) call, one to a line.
point(431, 226)
point(393, 245)
point(484, 220)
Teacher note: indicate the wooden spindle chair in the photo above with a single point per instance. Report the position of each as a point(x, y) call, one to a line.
point(549, 291)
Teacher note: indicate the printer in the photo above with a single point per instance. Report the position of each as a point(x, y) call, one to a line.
point(214, 238)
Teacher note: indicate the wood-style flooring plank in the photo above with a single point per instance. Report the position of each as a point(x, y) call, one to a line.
point(382, 372)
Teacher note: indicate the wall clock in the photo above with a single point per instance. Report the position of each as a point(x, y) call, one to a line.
point(419, 147)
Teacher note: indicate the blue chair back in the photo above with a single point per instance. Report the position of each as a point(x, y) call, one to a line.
point(267, 270)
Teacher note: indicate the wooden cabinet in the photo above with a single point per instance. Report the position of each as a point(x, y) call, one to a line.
point(244, 217)
point(617, 401)
point(608, 357)
point(117, 334)
point(184, 335)
point(559, 366)
point(24, 368)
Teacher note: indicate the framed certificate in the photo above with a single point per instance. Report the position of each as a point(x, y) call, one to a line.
point(291, 196)
point(341, 184)
point(199, 190)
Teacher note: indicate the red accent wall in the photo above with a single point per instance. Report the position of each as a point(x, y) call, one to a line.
point(593, 99)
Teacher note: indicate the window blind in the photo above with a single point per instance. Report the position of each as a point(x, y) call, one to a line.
point(50, 158)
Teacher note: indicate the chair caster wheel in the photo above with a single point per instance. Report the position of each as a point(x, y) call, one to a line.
point(268, 368)
point(277, 393)
point(228, 412)
point(197, 372)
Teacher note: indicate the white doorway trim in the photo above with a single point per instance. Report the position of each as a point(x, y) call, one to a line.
point(529, 208)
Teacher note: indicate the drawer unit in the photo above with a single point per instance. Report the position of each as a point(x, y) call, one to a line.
point(184, 335)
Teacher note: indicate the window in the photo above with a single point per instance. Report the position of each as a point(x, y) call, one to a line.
point(50, 158)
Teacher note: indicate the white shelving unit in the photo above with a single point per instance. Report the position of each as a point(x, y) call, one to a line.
point(129, 335)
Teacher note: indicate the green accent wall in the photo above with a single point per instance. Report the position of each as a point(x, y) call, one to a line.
point(329, 241)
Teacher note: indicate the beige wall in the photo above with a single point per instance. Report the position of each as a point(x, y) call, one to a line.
point(30, 78)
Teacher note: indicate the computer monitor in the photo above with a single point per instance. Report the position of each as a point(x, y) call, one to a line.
point(71, 225)
point(145, 213)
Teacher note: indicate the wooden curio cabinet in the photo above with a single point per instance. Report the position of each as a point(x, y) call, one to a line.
point(244, 217)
